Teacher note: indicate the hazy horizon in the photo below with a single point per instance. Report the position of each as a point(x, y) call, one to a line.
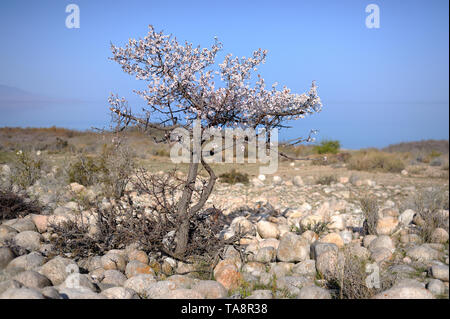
point(378, 86)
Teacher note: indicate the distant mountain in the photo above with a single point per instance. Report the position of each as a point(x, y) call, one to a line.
point(12, 94)
point(426, 146)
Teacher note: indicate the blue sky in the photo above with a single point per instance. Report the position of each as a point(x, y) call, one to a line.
point(378, 86)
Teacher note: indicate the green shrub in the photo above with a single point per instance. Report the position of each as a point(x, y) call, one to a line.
point(84, 171)
point(328, 147)
point(26, 169)
point(234, 177)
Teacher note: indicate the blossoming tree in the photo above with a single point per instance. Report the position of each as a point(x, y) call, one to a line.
point(186, 85)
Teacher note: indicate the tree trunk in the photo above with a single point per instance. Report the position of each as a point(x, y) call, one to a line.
point(182, 234)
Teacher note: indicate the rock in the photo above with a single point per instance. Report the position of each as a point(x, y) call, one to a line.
point(32, 279)
point(404, 172)
point(21, 293)
point(368, 240)
point(293, 248)
point(93, 263)
point(77, 188)
point(409, 283)
point(7, 232)
point(113, 261)
point(305, 268)
point(138, 255)
point(261, 294)
point(160, 289)
point(29, 240)
point(254, 268)
point(78, 281)
point(277, 180)
point(50, 293)
point(436, 287)
point(382, 241)
point(280, 269)
point(337, 222)
point(405, 293)
point(358, 251)
point(310, 220)
point(41, 222)
point(411, 238)
point(58, 269)
point(79, 293)
point(168, 266)
point(119, 293)
point(243, 225)
point(313, 292)
point(257, 182)
point(27, 262)
point(135, 267)
point(267, 229)
point(183, 281)
point(347, 236)
point(182, 293)
point(327, 263)
point(407, 217)
point(344, 179)
point(423, 253)
point(210, 289)
point(333, 238)
point(5, 170)
point(21, 224)
point(389, 211)
point(6, 255)
point(292, 284)
point(114, 277)
point(5, 285)
point(440, 272)
point(381, 254)
point(227, 273)
point(439, 236)
point(310, 236)
point(319, 248)
point(266, 255)
point(139, 283)
point(297, 181)
point(269, 242)
point(386, 225)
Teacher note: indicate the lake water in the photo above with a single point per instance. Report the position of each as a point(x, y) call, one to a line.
point(355, 125)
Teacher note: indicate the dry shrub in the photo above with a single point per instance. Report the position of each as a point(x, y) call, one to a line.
point(15, 206)
point(234, 177)
point(152, 225)
point(429, 205)
point(331, 159)
point(349, 280)
point(117, 166)
point(373, 160)
point(326, 180)
point(113, 169)
point(369, 206)
point(319, 228)
point(161, 153)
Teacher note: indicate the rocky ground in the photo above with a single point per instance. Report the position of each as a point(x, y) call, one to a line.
point(301, 239)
